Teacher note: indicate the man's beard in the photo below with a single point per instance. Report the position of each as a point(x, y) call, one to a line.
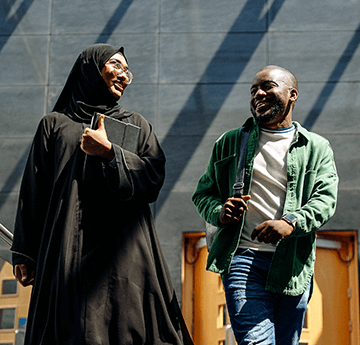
point(277, 108)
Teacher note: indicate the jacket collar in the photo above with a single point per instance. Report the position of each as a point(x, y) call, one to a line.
point(251, 125)
point(301, 130)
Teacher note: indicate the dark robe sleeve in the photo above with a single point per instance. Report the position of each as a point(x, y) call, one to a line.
point(33, 198)
point(138, 176)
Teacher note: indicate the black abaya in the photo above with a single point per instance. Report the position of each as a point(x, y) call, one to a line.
point(100, 274)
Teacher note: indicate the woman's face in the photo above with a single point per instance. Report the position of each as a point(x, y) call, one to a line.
point(114, 75)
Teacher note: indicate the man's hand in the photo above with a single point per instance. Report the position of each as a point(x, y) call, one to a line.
point(96, 142)
point(23, 275)
point(272, 231)
point(233, 209)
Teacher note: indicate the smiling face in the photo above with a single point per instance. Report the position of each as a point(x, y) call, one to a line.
point(116, 82)
point(272, 98)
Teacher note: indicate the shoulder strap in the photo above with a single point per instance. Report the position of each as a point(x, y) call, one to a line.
point(239, 181)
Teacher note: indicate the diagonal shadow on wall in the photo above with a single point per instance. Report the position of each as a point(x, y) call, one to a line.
point(197, 96)
point(13, 21)
point(9, 24)
point(334, 78)
point(114, 21)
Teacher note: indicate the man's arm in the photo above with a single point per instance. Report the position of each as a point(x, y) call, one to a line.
point(206, 197)
point(317, 210)
point(319, 204)
point(233, 210)
point(272, 231)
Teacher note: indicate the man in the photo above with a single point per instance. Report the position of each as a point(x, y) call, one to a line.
point(89, 246)
point(265, 245)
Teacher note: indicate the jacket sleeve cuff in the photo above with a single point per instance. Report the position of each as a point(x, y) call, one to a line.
point(215, 216)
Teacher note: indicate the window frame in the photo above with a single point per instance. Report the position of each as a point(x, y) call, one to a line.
point(2, 288)
point(15, 307)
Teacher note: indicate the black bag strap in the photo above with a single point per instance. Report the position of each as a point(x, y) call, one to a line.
point(239, 181)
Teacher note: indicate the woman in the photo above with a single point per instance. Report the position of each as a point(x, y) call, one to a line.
point(89, 247)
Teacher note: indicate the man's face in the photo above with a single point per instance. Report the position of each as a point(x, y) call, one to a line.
point(116, 81)
point(270, 98)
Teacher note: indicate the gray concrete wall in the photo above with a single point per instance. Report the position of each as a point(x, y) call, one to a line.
point(193, 62)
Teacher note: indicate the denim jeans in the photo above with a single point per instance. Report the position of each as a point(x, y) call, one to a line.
point(258, 316)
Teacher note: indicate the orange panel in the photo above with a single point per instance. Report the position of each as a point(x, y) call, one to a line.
point(207, 297)
point(333, 307)
point(334, 304)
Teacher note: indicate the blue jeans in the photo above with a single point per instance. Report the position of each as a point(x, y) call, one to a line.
point(258, 316)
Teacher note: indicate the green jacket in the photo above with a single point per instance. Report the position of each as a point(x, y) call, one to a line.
point(310, 197)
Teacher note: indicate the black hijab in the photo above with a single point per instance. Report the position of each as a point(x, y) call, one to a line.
point(85, 90)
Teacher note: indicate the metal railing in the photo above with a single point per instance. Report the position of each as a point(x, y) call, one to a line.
point(229, 336)
point(6, 235)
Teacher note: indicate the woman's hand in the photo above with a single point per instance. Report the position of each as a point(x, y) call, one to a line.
point(96, 142)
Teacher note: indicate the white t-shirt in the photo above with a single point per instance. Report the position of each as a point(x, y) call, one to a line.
point(268, 186)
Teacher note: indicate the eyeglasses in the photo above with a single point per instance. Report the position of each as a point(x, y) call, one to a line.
point(120, 69)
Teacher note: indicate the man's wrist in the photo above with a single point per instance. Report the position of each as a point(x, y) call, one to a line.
point(288, 218)
point(220, 218)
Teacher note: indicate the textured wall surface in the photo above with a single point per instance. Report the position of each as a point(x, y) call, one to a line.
point(193, 62)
